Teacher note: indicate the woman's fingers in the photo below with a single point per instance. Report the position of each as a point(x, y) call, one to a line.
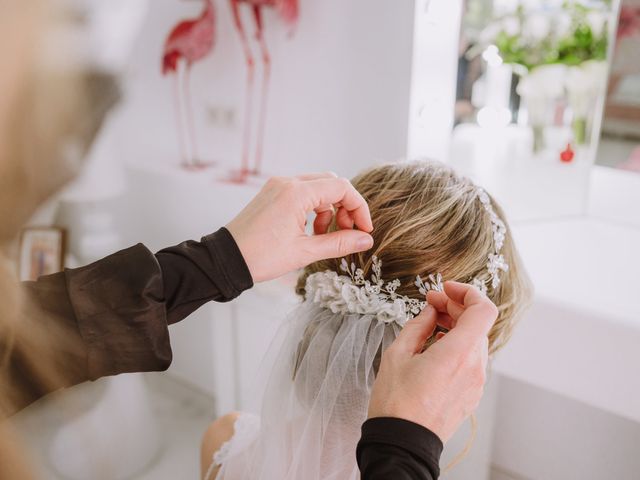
point(351, 208)
point(416, 332)
point(324, 216)
point(324, 213)
point(445, 320)
point(334, 245)
point(462, 293)
point(470, 310)
point(339, 191)
point(479, 313)
point(344, 220)
point(348, 211)
point(444, 304)
point(315, 176)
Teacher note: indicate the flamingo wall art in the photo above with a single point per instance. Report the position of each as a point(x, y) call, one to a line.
point(189, 42)
point(288, 11)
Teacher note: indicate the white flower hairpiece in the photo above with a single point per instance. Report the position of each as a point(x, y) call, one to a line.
point(356, 295)
point(495, 262)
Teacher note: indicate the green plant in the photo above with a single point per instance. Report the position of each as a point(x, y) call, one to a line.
point(530, 38)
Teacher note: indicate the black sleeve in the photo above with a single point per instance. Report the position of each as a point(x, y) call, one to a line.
point(116, 311)
point(197, 272)
point(392, 448)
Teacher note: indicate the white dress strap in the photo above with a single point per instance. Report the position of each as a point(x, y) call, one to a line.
point(245, 430)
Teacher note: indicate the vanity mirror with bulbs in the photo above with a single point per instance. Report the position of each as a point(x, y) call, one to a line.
point(530, 92)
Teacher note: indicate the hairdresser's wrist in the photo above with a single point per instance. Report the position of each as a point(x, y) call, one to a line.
point(409, 411)
point(398, 432)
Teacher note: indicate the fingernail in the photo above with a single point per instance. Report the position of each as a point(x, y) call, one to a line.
point(364, 243)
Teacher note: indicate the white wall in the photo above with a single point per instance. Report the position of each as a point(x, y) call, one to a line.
point(540, 435)
point(340, 87)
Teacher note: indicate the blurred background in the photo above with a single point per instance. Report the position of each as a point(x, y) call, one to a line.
point(537, 100)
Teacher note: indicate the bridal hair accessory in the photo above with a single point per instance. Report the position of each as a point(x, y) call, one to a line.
point(356, 295)
point(496, 262)
point(353, 294)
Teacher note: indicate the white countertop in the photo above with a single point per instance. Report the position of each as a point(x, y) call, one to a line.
point(586, 264)
point(581, 337)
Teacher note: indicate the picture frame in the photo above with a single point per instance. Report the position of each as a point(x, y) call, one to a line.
point(41, 252)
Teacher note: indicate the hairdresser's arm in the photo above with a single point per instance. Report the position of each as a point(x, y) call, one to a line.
point(111, 317)
point(420, 399)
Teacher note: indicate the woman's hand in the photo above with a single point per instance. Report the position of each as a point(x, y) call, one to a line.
point(440, 387)
point(270, 231)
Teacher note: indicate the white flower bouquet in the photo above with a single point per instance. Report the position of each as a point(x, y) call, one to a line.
point(559, 49)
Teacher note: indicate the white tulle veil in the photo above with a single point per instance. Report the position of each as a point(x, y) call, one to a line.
point(324, 359)
point(316, 397)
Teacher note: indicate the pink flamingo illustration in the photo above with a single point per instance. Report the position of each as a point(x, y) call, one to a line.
point(189, 42)
point(629, 21)
point(288, 12)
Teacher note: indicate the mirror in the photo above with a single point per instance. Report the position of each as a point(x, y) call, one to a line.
point(620, 141)
point(529, 99)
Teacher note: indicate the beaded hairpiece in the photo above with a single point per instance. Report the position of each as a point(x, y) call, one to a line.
point(357, 295)
point(496, 262)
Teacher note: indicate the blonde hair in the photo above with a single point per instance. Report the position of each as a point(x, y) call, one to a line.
point(429, 219)
point(44, 112)
point(50, 112)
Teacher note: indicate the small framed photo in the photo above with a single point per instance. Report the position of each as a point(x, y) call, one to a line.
point(42, 251)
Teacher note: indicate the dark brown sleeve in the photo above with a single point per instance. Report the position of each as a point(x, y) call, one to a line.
point(398, 449)
point(116, 311)
point(120, 312)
